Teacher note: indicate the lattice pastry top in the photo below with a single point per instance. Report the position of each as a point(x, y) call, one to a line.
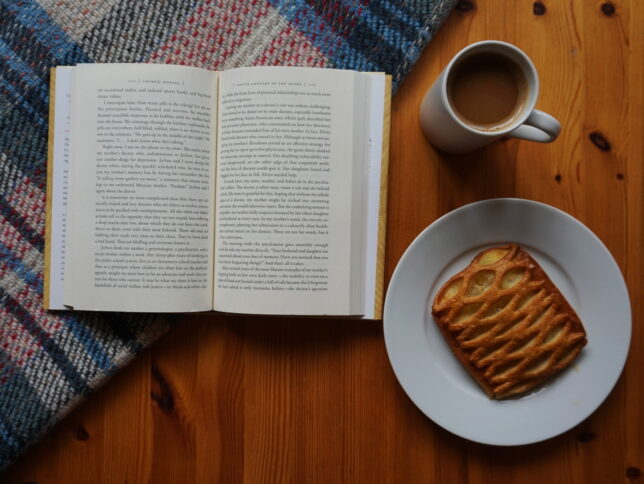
point(507, 323)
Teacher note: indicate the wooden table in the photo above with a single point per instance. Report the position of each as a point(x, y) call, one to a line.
point(265, 400)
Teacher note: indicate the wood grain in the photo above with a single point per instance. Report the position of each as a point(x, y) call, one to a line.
point(288, 400)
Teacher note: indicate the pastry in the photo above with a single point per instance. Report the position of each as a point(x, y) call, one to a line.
point(507, 323)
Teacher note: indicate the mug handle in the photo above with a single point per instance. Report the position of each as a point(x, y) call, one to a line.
point(539, 126)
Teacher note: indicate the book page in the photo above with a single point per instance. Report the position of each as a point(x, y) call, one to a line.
point(376, 196)
point(142, 191)
point(285, 188)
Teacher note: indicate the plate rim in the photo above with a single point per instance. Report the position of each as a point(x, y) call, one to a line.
point(555, 212)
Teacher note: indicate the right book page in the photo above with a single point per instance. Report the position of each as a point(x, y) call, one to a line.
point(293, 183)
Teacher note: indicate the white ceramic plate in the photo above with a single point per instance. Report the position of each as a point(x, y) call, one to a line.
point(576, 261)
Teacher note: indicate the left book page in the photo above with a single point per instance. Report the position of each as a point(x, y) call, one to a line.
point(140, 195)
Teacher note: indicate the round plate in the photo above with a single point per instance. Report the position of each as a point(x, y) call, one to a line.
point(578, 264)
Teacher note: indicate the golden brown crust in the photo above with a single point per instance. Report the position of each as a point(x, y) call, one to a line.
point(507, 323)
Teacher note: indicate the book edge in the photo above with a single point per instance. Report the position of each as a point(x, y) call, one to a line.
point(382, 217)
point(49, 195)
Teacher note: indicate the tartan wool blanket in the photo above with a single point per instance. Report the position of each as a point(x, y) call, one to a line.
point(51, 361)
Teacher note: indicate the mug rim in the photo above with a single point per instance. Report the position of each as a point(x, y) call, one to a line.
point(533, 86)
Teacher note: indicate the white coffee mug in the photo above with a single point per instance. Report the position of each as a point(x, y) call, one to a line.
point(445, 130)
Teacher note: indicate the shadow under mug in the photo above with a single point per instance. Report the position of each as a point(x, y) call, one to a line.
point(445, 130)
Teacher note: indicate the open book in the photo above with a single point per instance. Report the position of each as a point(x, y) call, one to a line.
point(258, 190)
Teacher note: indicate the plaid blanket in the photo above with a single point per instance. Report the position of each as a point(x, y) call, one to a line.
point(51, 361)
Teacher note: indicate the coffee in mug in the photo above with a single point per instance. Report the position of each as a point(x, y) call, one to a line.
point(488, 90)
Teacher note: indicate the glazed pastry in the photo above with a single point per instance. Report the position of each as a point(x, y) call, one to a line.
point(507, 323)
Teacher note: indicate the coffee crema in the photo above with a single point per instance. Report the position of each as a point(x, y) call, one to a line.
point(487, 90)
